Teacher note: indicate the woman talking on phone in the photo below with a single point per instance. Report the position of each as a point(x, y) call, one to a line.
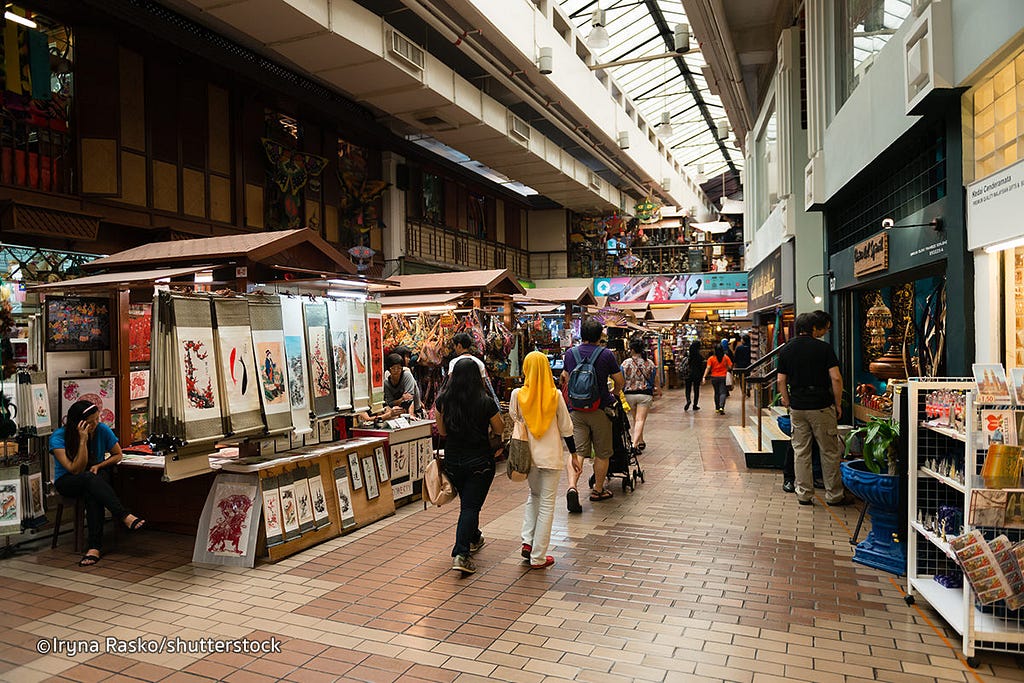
point(80, 469)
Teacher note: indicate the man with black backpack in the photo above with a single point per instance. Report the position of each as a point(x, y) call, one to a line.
point(587, 368)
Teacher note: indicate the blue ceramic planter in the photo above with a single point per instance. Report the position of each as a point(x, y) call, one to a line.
point(882, 494)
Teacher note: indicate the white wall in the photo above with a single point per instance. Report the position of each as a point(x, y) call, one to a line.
point(995, 22)
point(988, 312)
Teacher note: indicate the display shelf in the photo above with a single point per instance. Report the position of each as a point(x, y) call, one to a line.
point(952, 483)
point(946, 431)
point(863, 413)
point(933, 538)
point(948, 602)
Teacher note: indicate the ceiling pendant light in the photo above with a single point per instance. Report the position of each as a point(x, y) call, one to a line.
point(598, 38)
point(665, 129)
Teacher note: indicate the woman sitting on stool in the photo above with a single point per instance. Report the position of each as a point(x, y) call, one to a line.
point(80, 469)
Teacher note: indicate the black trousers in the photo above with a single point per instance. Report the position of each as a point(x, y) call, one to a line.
point(98, 494)
point(693, 384)
point(721, 392)
point(472, 477)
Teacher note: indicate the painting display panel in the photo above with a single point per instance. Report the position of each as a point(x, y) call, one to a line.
point(271, 366)
point(298, 364)
point(289, 508)
point(303, 500)
point(100, 391)
point(400, 459)
point(140, 426)
point(370, 477)
point(138, 384)
point(77, 324)
point(229, 526)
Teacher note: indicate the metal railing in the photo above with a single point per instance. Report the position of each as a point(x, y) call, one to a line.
point(594, 259)
point(445, 245)
point(762, 374)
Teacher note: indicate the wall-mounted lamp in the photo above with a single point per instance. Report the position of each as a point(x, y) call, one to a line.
point(666, 184)
point(546, 60)
point(623, 139)
point(935, 224)
point(817, 298)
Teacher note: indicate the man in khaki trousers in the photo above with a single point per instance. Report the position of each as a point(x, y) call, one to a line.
point(812, 388)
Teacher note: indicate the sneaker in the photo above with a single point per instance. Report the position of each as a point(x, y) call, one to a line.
point(687, 406)
point(548, 561)
point(696, 407)
point(525, 552)
point(572, 501)
point(473, 547)
point(463, 564)
point(788, 486)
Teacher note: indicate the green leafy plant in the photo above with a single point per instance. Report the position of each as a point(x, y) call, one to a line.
point(879, 434)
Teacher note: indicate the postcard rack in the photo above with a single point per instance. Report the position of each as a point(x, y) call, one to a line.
point(945, 463)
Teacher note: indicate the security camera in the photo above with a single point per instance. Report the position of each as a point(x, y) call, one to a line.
point(888, 223)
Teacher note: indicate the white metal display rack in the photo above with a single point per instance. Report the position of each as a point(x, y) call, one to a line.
point(928, 553)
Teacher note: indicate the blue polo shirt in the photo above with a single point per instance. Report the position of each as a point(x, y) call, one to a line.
point(103, 439)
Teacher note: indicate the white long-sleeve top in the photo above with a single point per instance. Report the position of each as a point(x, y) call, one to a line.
point(547, 452)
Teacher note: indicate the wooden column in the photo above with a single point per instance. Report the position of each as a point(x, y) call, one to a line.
point(119, 353)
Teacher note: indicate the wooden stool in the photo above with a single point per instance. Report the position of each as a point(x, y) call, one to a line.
point(78, 505)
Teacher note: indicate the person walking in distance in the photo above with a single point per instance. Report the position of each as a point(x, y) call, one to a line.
point(811, 386)
point(695, 370)
point(464, 412)
point(717, 368)
point(587, 368)
point(541, 406)
point(641, 377)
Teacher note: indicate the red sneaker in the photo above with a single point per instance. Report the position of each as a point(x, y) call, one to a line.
point(548, 561)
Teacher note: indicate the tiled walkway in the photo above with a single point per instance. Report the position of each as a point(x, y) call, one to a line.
point(707, 572)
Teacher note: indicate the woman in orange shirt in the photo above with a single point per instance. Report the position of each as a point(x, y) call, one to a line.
point(719, 365)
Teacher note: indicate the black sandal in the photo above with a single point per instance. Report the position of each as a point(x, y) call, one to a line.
point(138, 524)
point(89, 560)
point(603, 494)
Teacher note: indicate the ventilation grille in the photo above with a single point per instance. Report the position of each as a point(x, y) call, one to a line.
point(405, 49)
point(518, 129)
point(432, 120)
point(595, 182)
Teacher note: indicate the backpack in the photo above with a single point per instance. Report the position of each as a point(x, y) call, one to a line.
point(584, 385)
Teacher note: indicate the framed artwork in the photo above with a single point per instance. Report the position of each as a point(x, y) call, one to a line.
point(271, 365)
point(318, 499)
point(199, 374)
point(40, 407)
point(77, 324)
point(100, 391)
point(229, 526)
point(35, 495)
point(138, 384)
point(140, 332)
point(991, 381)
point(272, 511)
point(303, 500)
point(289, 509)
point(10, 503)
point(400, 459)
point(338, 320)
point(320, 362)
point(140, 426)
point(348, 518)
point(19, 348)
point(382, 462)
point(372, 489)
point(353, 467)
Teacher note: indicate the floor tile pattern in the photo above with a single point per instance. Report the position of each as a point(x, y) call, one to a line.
point(706, 572)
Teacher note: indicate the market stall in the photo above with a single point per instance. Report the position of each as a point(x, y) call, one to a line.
point(222, 362)
point(550, 316)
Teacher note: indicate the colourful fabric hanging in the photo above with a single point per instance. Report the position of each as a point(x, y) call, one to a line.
point(39, 64)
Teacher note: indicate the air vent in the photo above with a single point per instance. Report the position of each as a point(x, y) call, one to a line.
point(595, 182)
point(432, 120)
point(405, 49)
point(518, 129)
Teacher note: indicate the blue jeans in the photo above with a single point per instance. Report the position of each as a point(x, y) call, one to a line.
point(471, 476)
point(721, 391)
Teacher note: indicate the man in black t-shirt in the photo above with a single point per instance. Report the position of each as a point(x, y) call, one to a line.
point(812, 388)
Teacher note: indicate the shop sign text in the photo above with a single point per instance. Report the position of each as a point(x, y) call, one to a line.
point(871, 255)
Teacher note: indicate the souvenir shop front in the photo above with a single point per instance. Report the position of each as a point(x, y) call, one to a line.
point(549, 317)
point(771, 300)
point(429, 310)
point(230, 388)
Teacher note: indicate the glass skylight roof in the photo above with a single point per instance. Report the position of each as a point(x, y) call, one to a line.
point(658, 86)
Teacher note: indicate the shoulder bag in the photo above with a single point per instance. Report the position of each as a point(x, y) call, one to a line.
point(436, 484)
point(518, 449)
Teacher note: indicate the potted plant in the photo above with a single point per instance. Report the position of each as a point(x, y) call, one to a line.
point(875, 480)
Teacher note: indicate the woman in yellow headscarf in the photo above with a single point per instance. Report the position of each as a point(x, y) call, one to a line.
point(541, 408)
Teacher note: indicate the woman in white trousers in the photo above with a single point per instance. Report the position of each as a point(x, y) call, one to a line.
point(541, 407)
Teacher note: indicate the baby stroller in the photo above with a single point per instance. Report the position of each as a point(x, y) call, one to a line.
point(624, 462)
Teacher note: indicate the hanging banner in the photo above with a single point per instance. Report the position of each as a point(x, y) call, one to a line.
point(295, 357)
point(680, 288)
point(360, 355)
point(197, 382)
point(337, 316)
point(241, 404)
point(318, 349)
point(375, 327)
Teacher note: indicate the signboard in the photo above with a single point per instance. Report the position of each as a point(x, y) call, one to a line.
point(770, 282)
point(871, 255)
point(994, 207)
point(678, 288)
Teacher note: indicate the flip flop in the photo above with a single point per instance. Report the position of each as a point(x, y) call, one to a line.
point(88, 560)
point(603, 494)
point(138, 524)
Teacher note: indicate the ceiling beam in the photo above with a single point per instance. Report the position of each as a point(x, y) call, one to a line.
point(667, 34)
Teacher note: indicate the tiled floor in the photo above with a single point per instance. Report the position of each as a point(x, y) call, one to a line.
point(707, 572)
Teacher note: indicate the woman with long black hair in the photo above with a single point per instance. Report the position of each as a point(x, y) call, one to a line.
point(465, 410)
point(719, 365)
point(80, 469)
point(695, 369)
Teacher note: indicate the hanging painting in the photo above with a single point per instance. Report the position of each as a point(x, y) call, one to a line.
point(40, 407)
point(370, 477)
point(344, 497)
point(229, 526)
point(268, 341)
point(318, 497)
point(10, 501)
point(35, 507)
point(140, 332)
point(77, 324)
point(375, 338)
point(139, 426)
point(360, 356)
point(353, 466)
point(138, 384)
point(338, 315)
point(303, 500)
point(400, 459)
point(237, 366)
point(382, 463)
point(289, 506)
point(196, 359)
point(272, 511)
point(295, 357)
point(318, 350)
point(100, 391)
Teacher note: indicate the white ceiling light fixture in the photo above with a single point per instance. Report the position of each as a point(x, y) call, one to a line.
point(18, 19)
point(623, 139)
point(722, 128)
point(681, 38)
point(598, 40)
point(665, 129)
point(545, 61)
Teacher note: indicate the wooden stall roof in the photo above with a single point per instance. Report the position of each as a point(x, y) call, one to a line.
point(487, 281)
point(303, 250)
point(400, 300)
point(635, 306)
point(674, 314)
point(112, 280)
point(580, 295)
point(543, 309)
